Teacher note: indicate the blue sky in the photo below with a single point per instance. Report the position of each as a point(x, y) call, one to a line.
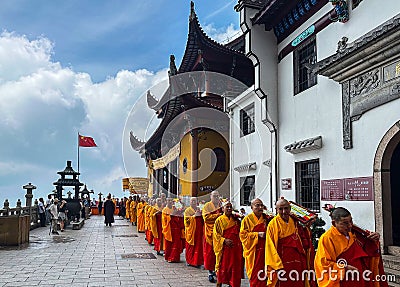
point(69, 66)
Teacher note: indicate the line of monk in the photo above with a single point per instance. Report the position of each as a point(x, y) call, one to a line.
point(275, 251)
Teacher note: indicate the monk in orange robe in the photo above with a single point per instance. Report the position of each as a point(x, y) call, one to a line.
point(147, 227)
point(140, 215)
point(128, 207)
point(156, 226)
point(172, 227)
point(211, 211)
point(133, 210)
point(285, 256)
point(194, 234)
point(252, 234)
point(228, 248)
point(348, 256)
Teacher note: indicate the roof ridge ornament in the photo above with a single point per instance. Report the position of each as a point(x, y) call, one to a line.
point(192, 12)
point(172, 67)
point(342, 11)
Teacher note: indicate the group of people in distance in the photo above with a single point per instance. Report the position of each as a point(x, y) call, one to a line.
point(273, 250)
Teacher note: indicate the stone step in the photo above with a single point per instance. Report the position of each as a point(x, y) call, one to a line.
point(391, 262)
point(394, 250)
point(393, 276)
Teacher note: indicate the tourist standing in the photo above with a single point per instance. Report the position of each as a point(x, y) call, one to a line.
point(62, 214)
point(53, 210)
point(49, 202)
point(109, 208)
point(42, 212)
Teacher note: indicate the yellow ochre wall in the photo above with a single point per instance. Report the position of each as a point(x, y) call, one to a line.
point(207, 140)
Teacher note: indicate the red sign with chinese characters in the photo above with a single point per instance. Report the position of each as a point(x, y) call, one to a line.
point(332, 189)
point(357, 189)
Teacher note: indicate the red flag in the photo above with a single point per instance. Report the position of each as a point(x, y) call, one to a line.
point(86, 141)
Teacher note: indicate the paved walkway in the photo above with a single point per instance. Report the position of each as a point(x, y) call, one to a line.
point(93, 256)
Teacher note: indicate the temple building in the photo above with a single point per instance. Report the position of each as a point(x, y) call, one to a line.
point(189, 152)
point(327, 78)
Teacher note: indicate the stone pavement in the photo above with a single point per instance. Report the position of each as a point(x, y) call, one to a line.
point(94, 256)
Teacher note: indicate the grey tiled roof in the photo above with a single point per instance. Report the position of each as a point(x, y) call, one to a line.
point(361, 43)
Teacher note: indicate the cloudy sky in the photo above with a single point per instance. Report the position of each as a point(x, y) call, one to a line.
point(69, 66)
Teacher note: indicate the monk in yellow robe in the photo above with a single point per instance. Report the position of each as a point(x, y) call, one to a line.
point(348, 256)
point(172, 227)
point(156, 226)
point(252, 234)
point(228, 248)
point(140, 215)
point(147, 227)
point(194, 234)
point(211, 211)
point(285, 256)
point(133, 216)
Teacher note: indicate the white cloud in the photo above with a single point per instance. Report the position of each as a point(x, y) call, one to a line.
point(43, 105)
point(222, 35)
point(21, 57)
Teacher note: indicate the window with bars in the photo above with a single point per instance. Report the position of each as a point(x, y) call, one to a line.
point(247, 120)
point(308, 184)
point(247, 190)
point(303, 59)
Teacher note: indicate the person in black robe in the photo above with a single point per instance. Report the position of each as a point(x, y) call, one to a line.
point(100, 206)
point(109, 209)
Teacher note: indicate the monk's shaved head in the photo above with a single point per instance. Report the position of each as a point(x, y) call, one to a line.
point(257, 206)
point(281, 202)
point(282, 207)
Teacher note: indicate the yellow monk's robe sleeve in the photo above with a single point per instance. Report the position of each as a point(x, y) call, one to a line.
point(209, 219)
point(277, 229)
point(153, 223)
point(190, 224)
point(221, 223)
point(128, 208)
point(330, 245)
point(166, 227)
point(249, 240)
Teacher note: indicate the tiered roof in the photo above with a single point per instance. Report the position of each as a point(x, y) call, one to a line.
point(201, 54)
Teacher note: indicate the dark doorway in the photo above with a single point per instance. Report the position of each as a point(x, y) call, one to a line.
point(395, 194)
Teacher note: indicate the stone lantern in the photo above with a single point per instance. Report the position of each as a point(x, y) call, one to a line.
point(29, 195)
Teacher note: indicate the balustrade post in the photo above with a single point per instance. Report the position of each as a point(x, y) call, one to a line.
point(6, 207)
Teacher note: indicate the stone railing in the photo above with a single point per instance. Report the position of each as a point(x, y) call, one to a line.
point(15, 223)
point(6, 211)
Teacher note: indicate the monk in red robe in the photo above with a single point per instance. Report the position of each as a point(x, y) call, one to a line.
point(211, 211)
point(285, 257)
point(252, 234)
point(172, 227)
point(194, 234)
point(348, 256)
point(228, 248)
point(156, 227)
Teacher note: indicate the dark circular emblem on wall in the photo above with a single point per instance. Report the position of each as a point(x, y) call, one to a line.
point(184, 165)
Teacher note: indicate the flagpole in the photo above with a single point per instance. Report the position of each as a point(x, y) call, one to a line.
point(78, 153)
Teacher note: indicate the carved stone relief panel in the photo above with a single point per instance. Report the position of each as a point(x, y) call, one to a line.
point(367, 91)
point(365, 83)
